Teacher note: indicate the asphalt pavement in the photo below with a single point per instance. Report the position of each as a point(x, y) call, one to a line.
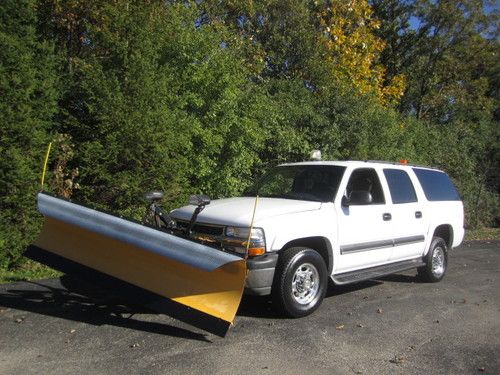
point(395, 325)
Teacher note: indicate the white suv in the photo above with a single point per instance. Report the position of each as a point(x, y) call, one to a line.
point(347, 220)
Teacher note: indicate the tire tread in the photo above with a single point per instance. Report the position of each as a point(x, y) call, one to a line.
point(424, 273)
point(285, 261)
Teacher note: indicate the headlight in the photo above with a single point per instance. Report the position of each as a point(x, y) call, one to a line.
point(236, 238)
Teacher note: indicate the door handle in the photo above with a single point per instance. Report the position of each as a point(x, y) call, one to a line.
point(387, 216)
point(418, 214)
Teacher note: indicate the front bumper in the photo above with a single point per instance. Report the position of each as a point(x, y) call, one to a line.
point(260, 274)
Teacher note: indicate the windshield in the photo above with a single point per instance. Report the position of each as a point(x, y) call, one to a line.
point(301, 182)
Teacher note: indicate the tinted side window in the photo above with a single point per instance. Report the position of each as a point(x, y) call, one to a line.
point(400, 186)
point(437, 185)
point(366, 179)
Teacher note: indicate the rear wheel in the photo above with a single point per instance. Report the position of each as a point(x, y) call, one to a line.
point(436, 262)
point(300, 282)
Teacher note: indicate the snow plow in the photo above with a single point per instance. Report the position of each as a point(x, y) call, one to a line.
point(187, 280)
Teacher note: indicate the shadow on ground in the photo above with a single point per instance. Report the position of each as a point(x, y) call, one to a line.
point(79, 301)
point(395, 278)
point(261, 306)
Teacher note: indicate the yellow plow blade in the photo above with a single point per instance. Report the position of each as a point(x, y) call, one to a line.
point(166, 268)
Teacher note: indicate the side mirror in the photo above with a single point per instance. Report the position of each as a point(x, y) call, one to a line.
point(360, 197)
point(199, 200)
point(345, 201)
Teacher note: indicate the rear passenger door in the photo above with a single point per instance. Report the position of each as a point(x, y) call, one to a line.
point(408, 217)
point(365, 231)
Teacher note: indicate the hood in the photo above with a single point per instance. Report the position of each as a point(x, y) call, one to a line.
point(238, 211)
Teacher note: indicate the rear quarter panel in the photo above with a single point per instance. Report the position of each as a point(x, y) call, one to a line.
point(440, 213)
point(447, 212)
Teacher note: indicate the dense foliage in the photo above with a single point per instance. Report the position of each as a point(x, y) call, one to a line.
point(203, 96)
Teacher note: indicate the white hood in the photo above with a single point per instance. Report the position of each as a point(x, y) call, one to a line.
point(238, 211)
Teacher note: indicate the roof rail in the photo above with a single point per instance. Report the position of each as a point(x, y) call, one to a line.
point(399, 163)
point(384, 161)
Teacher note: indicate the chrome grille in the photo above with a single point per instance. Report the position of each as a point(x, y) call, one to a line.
point(208, 234)
point(200, 228)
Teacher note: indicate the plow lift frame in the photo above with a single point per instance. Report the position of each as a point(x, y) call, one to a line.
point(191, 282)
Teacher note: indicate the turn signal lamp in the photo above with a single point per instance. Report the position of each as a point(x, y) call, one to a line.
point(255, 251)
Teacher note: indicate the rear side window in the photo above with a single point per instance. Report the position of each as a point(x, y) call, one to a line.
point(400, 186)
point(437, 185)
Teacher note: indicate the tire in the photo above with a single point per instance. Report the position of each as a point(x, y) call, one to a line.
point(300, 282)
point(436, 262)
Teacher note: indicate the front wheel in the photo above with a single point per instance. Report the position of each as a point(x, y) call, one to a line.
point(300, 282)
point(436, 262)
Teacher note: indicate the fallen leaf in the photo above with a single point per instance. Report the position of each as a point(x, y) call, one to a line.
point(72, 331)
point(339, 327)
point(398, 359)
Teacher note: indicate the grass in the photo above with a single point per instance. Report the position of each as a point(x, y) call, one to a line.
point(482, 234)
point(27, 271)
point(35, 271)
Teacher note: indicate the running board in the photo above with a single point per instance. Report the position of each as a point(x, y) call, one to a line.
point(376, 272)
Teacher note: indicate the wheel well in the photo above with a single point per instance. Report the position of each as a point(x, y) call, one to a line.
point(320, 244)
point(445, 231)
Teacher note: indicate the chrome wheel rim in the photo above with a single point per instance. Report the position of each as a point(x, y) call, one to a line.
point(438, 262)
point(305, 283)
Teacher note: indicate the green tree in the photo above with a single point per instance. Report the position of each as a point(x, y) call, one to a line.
point(28, 102)
point(450, 59)
point(155, 100)
point(396, 31)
